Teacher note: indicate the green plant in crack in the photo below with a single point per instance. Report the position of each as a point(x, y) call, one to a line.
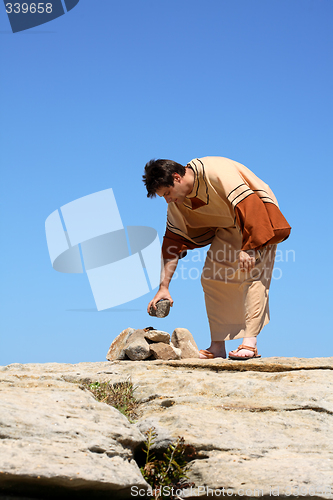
point(120, 395)
point(166, 472)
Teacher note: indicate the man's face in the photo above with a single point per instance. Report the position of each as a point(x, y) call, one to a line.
point(175, 193)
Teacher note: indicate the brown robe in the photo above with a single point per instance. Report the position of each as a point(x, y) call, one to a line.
point(232, 209)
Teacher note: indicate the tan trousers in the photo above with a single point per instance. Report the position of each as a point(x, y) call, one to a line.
point(236, 302)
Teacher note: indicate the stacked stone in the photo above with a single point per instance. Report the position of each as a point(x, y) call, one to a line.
point(149, 344)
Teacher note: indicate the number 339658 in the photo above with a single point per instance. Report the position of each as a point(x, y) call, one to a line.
point(16, 8)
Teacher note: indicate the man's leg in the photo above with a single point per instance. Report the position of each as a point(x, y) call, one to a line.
point(256, 303)
point(216, 348)
point(224, 297)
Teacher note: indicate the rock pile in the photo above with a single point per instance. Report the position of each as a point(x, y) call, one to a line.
point(149, 344)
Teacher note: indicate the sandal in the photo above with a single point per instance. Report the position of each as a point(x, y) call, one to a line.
point(207, 354)
point(242, 358)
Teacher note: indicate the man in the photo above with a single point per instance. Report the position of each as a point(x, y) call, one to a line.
point(220, 202)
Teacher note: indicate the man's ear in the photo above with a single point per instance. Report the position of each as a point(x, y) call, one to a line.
point(176, 177)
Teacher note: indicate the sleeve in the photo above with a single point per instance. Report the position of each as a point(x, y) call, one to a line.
point(261, 223)
point(179, 237)
point(173, 246)
point(252, 203)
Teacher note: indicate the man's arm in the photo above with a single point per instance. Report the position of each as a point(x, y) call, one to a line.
point(166, 275)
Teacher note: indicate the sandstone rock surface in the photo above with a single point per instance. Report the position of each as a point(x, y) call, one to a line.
point(263, 424)
point(54, 432)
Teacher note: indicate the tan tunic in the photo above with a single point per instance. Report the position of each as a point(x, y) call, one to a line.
point(234, 210)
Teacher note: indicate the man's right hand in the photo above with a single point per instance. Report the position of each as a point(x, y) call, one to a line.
point(163, 293)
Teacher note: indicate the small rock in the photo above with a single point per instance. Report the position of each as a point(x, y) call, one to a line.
point(167, 403)
point(162, 351)
point(138, 348)
point(134, 335)
point(157, 336)
point(182, 339)
point(162, 309)
point(177, 351)
point(116, 350)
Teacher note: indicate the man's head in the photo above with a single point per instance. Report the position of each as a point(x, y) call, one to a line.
point(165, 178)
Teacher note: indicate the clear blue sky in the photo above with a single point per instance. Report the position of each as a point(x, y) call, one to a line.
point(89, 98)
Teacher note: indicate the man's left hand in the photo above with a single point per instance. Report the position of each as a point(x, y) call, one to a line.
point(247, 260)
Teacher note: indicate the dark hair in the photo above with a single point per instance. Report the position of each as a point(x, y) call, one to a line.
point(158, 173)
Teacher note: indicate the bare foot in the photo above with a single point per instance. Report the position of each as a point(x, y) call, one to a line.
point(217, 349)
point(242, 353)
